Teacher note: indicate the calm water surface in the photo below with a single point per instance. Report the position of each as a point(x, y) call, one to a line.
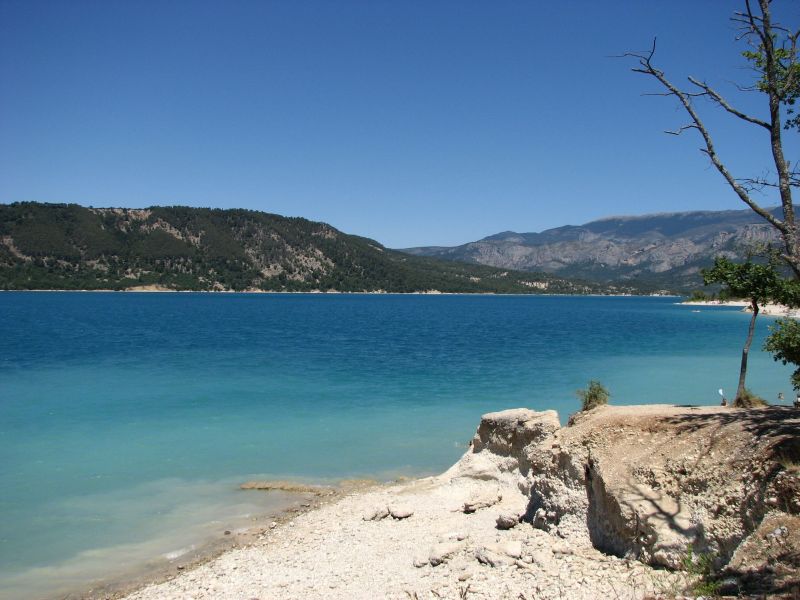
point(128, 420)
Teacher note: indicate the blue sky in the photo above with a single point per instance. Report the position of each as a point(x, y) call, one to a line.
point(414, 123)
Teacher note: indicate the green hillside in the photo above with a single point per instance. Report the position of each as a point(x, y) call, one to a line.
point(70, 247)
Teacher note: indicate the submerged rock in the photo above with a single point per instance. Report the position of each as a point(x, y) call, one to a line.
point(285, 486)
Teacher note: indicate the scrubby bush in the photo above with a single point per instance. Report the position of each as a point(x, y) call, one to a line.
point(747, 399)
point(593, 396)
point(700, 567)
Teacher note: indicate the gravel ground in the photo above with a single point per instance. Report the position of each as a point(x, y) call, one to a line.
point(335, 552)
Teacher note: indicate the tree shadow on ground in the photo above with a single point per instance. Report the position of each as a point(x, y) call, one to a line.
point(779, 579)
point(777, 430)
point(779, 425)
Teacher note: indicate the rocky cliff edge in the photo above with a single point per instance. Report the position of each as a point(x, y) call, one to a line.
point(654, 483)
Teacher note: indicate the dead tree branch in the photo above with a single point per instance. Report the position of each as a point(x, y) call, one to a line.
point(774, 58)
point(646, 67)
point(711, 93)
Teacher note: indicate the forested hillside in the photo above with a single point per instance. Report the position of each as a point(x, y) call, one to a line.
point(67, 246)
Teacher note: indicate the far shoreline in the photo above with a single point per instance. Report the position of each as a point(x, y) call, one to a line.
point(769, 309)
point(163, 290)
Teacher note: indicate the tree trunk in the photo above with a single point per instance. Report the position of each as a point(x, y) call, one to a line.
point(782, 167)
point(745, 352)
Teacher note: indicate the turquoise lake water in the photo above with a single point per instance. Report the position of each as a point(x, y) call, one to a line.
point(127, 421)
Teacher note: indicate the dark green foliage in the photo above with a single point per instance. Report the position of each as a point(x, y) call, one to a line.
point(66, 246)
point(753, 281)
point(699, 296)
point(160, 244)
point(756, 282)
point(784, 344)
point(786, 86)
point(593, 396)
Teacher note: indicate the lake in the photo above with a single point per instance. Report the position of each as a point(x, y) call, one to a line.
point(128, 420)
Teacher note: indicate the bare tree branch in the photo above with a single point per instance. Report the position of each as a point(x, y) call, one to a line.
point(765, 33)
point(646, 67)
point(680, 130)
point(757, 23)
point(759, 183)
point(773, 57)
point(726, 105)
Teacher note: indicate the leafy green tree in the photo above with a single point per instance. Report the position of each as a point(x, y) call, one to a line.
point(784, 339)
point(758, 283)
point(784, 344)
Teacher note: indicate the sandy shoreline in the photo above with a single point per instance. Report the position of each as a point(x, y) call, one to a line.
point(533, 509)
point(164, 290)
point(160, 569)
point(332, 552)
point(772, 310)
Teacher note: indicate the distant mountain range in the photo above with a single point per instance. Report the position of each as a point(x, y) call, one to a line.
point(649, 252)
point(67, 246)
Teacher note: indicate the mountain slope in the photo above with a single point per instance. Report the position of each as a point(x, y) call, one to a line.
point(662, 250)
point(66, 246)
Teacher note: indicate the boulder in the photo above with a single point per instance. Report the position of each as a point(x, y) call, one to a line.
point(443, 551)
point(492, 557)
point(482, 499)
point(376, 514)
point(507, 521)
point(400, 511)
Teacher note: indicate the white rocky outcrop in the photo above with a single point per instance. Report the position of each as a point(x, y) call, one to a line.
point(643, 482)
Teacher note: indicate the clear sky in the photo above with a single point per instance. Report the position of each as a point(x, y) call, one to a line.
point(414, 123)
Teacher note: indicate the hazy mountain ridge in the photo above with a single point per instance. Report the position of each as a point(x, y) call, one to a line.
point(67, 246)
point(659, 250)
